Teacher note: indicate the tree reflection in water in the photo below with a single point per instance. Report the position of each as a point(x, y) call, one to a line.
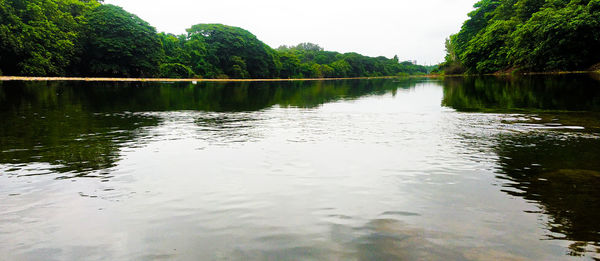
point(80, 127)
point(562, 175)
point(559, 170)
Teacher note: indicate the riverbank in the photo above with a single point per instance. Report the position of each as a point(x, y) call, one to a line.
point(510, 73)
point(101, 79)
point(106, 79)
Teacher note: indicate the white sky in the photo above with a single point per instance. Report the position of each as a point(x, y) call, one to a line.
point(411, 29)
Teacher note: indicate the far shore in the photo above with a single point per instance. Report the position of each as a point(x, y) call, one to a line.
point(102, 79)
point(521, 73)
point(107, 79)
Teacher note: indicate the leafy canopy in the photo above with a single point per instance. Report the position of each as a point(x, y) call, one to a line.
point(118, 43)
point(531, 35)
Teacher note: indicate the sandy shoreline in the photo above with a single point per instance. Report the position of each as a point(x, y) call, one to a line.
point(103, 79)
point(100, 79)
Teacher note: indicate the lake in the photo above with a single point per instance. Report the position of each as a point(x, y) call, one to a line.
point(482, 168)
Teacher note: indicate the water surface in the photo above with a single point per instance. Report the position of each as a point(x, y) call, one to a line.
point(415, 169)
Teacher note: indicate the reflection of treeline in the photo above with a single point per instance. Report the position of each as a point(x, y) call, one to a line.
point(87, 38)
point(530, 35)
point(79, 127)
point(562, 176)
point(51, 125)
point(205, 96)
point(562, 92)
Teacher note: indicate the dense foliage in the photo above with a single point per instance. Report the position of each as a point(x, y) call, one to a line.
point(40, 37)
point(529, 35)
point(87, 38)
point(118, 43)
point(220, 51)
point(310, 60)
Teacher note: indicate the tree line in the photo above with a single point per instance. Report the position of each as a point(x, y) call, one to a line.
point(526, 35)
point(89, 38)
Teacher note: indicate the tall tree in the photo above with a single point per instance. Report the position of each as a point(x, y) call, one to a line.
point(40, 37)
point(118, 43)
point(532, 35)
point(234, 51)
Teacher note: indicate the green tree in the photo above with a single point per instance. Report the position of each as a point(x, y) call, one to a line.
point(341, 68)
point(488, 51)
point(218, 44)
point(478, 20)
point(174, 48)
point(308, 47)
point(40, 37)
point(118, 43)
point(85, 37)
point(239, 68)
point(533, 35)
point(558, 39)
point(196, 49)
point(175, 70)
point(290, 65)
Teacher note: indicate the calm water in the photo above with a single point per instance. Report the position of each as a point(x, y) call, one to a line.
point(454, 169)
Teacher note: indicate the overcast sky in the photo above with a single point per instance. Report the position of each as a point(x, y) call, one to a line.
point(411, 29)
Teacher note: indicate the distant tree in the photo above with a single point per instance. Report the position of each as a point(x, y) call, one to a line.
point(118, 43)
point(174, 48)
point(175, 70)
point(341, 68)
point(196, 49)
point(308, 47)
point(358, 64)
point(228, 49)
point(239, 69)
point(290, 65)
point(327, 71)
point(315, 71)
point(85, 37)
